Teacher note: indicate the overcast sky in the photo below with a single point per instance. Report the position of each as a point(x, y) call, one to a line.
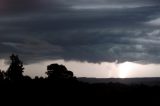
point(92, 31)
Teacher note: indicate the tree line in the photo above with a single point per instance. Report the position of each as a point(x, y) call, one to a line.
point(15, 72)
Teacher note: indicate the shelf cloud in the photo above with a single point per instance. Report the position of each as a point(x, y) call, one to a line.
point(80, 30)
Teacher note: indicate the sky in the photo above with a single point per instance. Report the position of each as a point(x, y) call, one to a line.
point(93, 38)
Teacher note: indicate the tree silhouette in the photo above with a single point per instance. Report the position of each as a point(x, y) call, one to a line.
point(15, 70)
point(58, 72)
point(2, 75)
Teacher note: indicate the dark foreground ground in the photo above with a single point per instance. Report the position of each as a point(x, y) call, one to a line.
point(55, 93)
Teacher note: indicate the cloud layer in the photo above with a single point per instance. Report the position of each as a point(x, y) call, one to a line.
point(81, 30)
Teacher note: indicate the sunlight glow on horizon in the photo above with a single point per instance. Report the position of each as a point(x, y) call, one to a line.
point(125, 68)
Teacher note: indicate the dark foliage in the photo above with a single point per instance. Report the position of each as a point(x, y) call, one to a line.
point(59, 72)
point(2, 75)
point(15, 70)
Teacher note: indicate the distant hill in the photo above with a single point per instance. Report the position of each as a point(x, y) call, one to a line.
point(146, 81)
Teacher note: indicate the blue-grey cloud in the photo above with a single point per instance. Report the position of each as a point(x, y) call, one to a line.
point(100, 30)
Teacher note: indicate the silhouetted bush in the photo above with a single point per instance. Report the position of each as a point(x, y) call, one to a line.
point(27, 78)
point(59, 72)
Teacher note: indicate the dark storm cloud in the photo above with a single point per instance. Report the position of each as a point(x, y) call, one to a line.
point(21, 6)
point(100, 30)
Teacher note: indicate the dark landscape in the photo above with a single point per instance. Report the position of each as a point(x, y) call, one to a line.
point(62, 87)
point(149, 81)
